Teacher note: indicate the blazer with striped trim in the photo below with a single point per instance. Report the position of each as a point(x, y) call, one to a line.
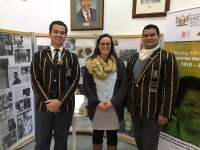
point(154, 93)
point(50, 84)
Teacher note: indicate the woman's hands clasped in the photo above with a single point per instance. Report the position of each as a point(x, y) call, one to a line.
point(104, 106)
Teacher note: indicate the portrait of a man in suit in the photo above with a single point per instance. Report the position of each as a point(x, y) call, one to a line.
point(86, 13)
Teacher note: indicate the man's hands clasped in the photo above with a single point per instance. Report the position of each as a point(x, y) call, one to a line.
point(53, 105)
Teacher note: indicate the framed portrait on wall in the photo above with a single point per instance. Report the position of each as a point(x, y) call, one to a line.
point(150, 8)
point(87, 14)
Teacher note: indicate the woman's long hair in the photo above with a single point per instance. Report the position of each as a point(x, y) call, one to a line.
point(97, 51)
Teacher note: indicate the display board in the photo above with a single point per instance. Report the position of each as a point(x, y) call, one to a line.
point(183, 39)
point(16, 96)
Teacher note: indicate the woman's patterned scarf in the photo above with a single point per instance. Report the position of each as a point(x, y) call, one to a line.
point(99, 69)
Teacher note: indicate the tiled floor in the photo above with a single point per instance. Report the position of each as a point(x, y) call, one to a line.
point(83, 142)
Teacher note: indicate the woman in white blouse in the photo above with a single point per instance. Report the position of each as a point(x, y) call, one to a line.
point(105, 85)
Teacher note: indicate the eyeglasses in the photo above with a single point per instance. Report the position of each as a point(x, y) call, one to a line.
point(103, 44)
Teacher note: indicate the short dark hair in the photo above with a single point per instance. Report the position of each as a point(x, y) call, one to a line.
point(58, 23)
point(16, 73)
point(97, 51)
point(150, 26)
point(186, 83)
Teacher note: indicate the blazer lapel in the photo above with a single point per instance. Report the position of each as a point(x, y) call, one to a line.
point(48, 57)
point(149, 62)
point(135, 57)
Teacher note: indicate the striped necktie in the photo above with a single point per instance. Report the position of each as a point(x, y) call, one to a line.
point(88, 17)
point(55, 59)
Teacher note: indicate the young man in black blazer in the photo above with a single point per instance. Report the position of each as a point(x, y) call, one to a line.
point(55, 75)
point(153, 84)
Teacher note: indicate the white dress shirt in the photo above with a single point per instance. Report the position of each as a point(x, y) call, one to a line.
point(53, 52)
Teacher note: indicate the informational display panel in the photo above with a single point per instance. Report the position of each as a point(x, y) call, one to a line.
point(183, 39)
point(16, 96)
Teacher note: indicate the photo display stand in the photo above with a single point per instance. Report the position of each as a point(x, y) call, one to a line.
point(16, 95)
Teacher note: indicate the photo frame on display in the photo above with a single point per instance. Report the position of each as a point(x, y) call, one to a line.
point(150, 8)
point(87, 14)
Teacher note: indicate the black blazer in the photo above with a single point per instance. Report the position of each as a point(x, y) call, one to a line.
point(156, 89)
point(48, 84)
point(81, 18)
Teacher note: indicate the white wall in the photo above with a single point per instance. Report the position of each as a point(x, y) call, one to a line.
point(36, 15)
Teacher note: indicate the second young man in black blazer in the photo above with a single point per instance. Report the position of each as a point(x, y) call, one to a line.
point(153, 84)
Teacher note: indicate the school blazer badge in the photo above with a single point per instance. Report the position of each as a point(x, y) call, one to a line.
point(68, 72)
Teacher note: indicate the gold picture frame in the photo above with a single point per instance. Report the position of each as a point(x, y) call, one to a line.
point(78, 15)
point(150, 8)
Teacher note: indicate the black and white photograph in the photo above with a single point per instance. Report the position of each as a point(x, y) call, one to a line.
point(18, 41)
point(19, 106)
point(23, 105)
point(9, 140)
point(149, 1)
point(124, 54)
point(6, 44)
point(8, 125)
point(6, 111)
point(26, 92)
point(21, 92)
point(24, 124)
point(6, 105)
point(21, 41)
point(14, 75)
point(5, 98)
point(115, 42)
point(11, 124)
point(4, 73)
point(25, 70)
point(84, 51)
point(88, 52)
point(13, 136)
point(22, 55)
point(82, 67)
point(42, 47)
point(69, 44)
point(27, 103)
point(80, 90)
point(80, 51)
point(82, 70)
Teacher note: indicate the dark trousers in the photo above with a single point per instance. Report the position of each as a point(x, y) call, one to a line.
point(45, 123)
point(97, 137)
point(146, 132)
